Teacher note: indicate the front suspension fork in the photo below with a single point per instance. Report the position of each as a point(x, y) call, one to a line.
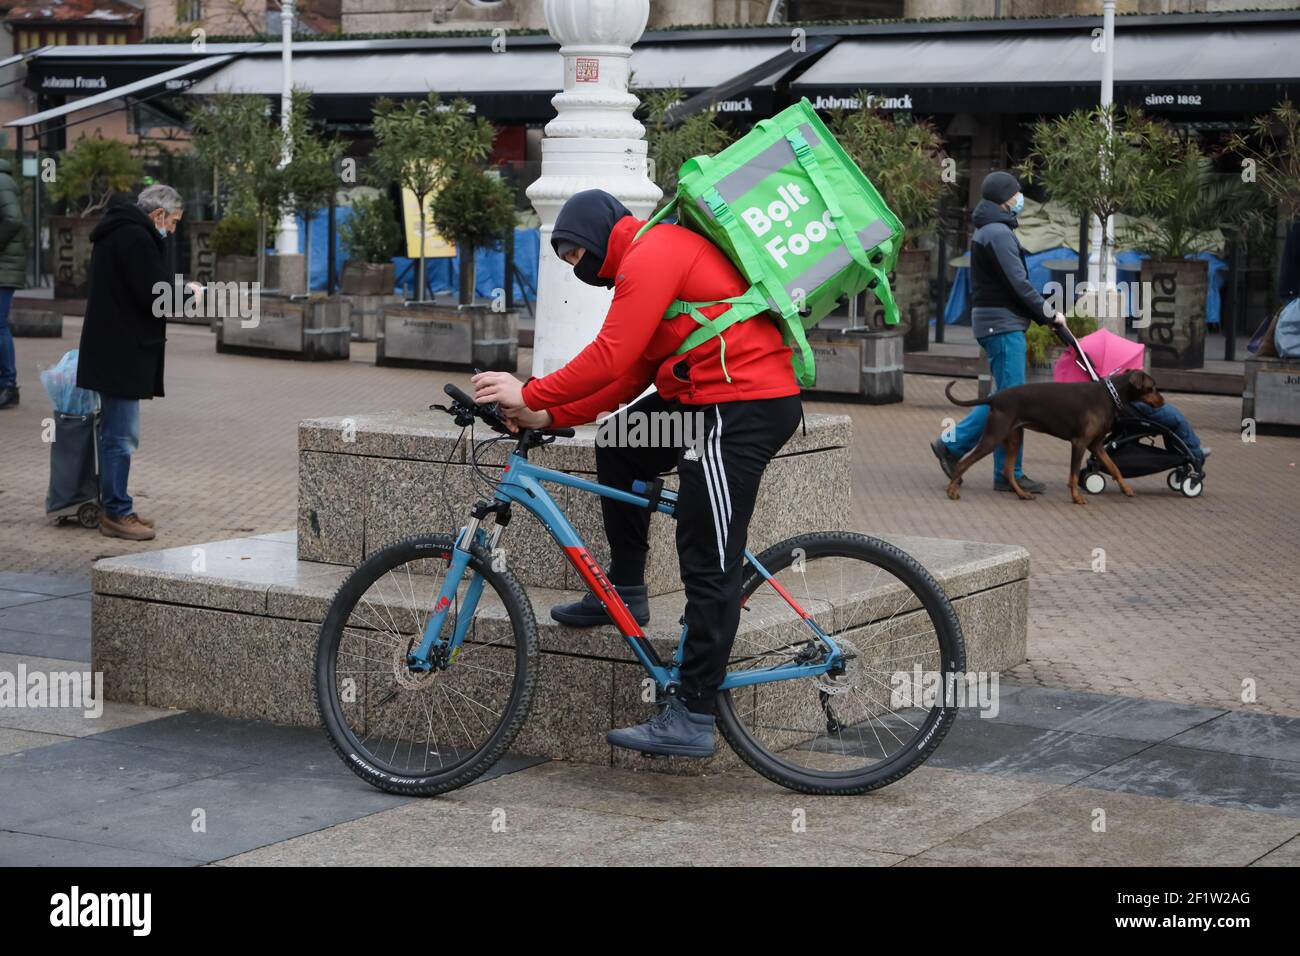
point(433, 652)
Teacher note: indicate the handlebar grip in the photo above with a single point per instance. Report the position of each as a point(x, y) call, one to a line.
point(562, 432)
point(458, 395)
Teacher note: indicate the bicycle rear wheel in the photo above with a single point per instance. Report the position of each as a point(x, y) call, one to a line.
point(872, 724)
point(422, 733)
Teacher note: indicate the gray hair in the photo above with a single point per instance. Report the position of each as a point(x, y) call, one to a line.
point(159, 196)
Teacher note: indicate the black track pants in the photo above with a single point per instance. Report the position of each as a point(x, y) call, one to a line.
point(720, 462)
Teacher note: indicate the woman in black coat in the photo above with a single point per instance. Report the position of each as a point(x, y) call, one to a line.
point(123, 339)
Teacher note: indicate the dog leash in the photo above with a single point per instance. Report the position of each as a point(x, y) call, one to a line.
point(1114, 395)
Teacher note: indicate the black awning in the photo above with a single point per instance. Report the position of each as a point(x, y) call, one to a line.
point(1177, 68)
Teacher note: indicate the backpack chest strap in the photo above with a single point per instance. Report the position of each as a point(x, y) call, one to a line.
point(743, 307)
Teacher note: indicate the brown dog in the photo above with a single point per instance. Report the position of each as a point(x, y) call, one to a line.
point(1081, 413)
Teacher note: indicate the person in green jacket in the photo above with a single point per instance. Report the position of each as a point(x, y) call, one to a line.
point(13, 276)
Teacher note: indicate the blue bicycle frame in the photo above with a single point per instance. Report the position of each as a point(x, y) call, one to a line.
point(522, 483)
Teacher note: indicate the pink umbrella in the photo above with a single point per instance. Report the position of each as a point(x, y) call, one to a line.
point(1108, 352)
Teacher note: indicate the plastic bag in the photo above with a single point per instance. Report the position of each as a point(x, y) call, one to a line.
point(60, 383)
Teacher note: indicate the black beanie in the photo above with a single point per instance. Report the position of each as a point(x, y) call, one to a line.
point(999, 186)
point(586, 219)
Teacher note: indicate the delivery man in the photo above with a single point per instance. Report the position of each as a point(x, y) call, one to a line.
point(748, 412)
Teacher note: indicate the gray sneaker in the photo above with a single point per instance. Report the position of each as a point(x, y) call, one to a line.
point(1026, 484)
point(589, 612)
point(947, 460)
point(673, 732)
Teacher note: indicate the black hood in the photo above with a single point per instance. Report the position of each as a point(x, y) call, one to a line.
point(121, 216)
point(987, 211)
point(586, 220)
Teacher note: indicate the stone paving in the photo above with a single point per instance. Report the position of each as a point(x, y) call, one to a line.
point(1172, 784)
point(1132, 700)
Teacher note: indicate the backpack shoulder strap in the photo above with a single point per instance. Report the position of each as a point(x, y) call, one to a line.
point(657, 217)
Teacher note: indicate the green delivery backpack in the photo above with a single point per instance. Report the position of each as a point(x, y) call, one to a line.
point(799, 220)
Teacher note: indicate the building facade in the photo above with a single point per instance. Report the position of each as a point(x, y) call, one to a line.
point(386, 16)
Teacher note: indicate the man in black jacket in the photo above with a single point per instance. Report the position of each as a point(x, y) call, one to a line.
point(123, 338)
point(13, 276)
point(1003, 303)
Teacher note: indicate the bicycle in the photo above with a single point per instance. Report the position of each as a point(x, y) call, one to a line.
point(812, 689)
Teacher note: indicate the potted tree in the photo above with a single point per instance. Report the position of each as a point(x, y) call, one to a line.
point(904, 158)
point(234, 243)
point(417, 144)
point(1271, 158)
point(370, 236)
point(474, 209)
point(312, 176)
point(89, 174)
point(1043, 348)
point(1100, 162)
point(1272, 149)
point(671, 141)
point(245, 148)
point(439, 152)
point(1177, 228)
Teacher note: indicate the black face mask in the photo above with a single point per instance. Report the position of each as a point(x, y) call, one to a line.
point(588, 267)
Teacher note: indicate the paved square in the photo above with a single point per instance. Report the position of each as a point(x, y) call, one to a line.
point(1161, 685)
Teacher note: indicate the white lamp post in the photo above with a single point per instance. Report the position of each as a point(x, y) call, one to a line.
point(286, 237)
point(593, 143)
point(1101, 273)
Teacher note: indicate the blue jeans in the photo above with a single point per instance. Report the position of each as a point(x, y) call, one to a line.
point(1169, 416)
point(1007, 352)
point(8, 364)
point(119, 436)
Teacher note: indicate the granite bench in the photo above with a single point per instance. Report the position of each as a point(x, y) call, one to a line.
point(230, 627)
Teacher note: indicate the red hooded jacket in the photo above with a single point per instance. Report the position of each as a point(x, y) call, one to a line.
point(637, 345)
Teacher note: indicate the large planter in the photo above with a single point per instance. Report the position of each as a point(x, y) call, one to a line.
point(70, 252)
point(286, 273)
point(368, 278)
point(859, 364)
point(368, 314)
point(910, 284)
point(1043, 371)
point(1271, 395)
point(317, 329)
point(36, 323)
point(235, 269)
point(1173, 326)
point(452, 337)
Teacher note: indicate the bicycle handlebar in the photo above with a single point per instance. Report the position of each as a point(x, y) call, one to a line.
point(491, 415)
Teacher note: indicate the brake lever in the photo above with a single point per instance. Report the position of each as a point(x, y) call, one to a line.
point(461, 415)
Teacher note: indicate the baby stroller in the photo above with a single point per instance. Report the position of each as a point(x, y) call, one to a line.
point(1137, 445)
point(73, 493)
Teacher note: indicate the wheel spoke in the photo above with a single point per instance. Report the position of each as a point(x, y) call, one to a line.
point(856, 728)
point(413, 730)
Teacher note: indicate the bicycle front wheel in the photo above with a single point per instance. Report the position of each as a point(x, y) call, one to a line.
point(871, 724)
point(422, 733)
